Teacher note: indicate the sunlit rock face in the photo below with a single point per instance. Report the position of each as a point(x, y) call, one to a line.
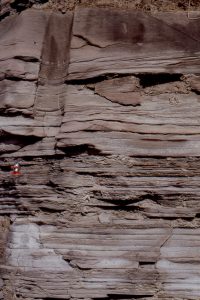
point(100, 108)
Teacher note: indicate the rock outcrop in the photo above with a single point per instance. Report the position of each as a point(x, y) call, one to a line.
point(101, 109)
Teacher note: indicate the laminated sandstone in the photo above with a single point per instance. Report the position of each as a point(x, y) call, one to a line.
point(101, 109)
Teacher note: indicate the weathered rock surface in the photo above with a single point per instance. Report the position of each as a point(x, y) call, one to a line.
point(132, 43)
point(101, 108)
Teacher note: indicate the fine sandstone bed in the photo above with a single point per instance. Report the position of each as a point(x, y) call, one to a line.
point(104, 121)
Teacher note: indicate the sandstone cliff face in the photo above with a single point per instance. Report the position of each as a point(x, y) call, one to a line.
point(101, 109)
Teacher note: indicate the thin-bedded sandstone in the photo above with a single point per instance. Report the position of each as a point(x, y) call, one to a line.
point(101, 110)
point(147, 125)
point(133, 42)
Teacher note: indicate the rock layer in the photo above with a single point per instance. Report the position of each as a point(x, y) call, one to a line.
point(102, 110)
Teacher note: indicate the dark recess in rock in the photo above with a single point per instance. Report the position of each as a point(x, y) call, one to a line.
point(147, 80)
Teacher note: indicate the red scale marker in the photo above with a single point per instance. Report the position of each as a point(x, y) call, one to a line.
point(16, 169)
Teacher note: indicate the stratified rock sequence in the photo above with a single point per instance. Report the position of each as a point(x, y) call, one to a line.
point(101, 110)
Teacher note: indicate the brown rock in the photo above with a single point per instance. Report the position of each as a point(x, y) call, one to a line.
point(133, 42)
point(120, 90)
point(106, 201)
